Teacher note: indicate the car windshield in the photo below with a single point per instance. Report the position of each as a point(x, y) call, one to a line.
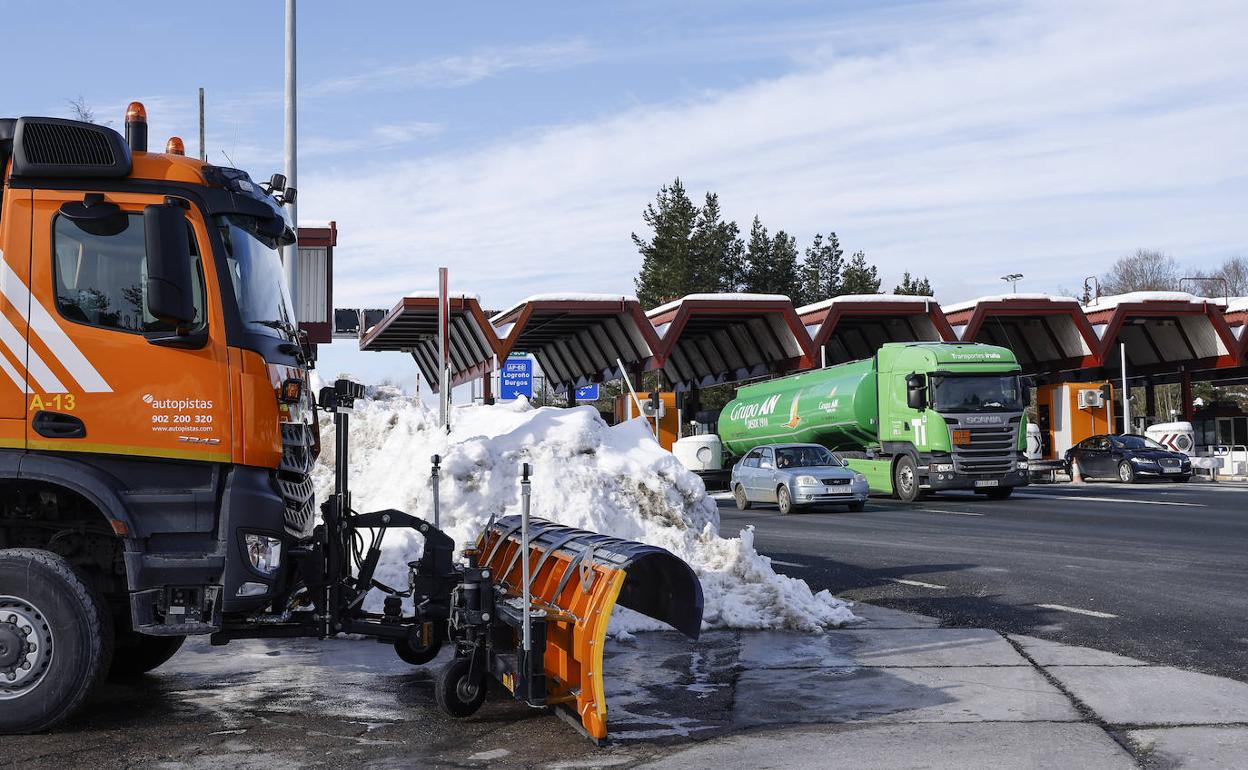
point(976, 393)
point(805, 457)
point(1136, 442)
point(256, 272)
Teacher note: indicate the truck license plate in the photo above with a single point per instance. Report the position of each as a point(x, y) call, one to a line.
point(986, 483)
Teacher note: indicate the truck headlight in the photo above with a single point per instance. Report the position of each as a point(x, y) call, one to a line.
point(807, 481)
point(1023, 465)
point(942, 467)
point(264, 553)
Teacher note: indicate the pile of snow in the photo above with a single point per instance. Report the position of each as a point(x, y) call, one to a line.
point(610, 479)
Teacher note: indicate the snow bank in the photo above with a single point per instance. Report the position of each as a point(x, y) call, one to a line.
point(614, 480)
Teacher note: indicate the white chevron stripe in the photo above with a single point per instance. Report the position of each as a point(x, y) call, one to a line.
point(41, 322)
point(14, 374)
point(15, 342)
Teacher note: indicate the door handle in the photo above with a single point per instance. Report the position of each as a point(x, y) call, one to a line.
point(57, 425)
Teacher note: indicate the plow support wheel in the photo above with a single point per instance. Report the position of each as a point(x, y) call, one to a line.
point(578, 577)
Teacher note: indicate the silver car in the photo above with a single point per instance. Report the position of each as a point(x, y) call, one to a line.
point(795, 476)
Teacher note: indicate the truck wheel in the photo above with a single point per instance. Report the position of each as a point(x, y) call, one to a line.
point(411, 651)
point(457, 691)
point(784, 500)
point(1126, 474)
point(136, 654)
point(906, 480)
point(1000, 493)
point(743, 502)
point(56, 640)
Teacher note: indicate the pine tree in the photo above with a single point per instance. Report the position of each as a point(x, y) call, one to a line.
point(784, 275)
point(666, 264)
point(916, 286)
point(859, 277)
point(716, 252)
point(757, 260)
point(821, 270)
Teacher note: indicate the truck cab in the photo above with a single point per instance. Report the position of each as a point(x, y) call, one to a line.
point(156, 426)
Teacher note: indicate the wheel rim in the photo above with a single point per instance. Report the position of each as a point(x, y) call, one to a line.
point(1124, 472)
point(740, 496)
point(466, 690)
point(905, 478)
point(25, 647)
point(784, 499)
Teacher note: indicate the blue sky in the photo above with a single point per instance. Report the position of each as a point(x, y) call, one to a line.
point(516, 143)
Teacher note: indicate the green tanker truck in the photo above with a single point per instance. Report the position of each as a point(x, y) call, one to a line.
point(918, 417)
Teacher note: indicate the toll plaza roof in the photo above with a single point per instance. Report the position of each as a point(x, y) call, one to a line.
point(411, 326)
point(578, 338)
point(1236, 315)
point(853, 326)
point(1162, 330)
point(705, 339)
point(1046, 333)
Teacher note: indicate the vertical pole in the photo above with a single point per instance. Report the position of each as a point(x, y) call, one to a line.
point(444, 397)
point(290, 254)
point(1126, 392)
point(437, 493)
point(629, 383)
point(1189, 412)
point(203, 149)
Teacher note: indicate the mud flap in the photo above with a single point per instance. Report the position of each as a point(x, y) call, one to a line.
point(577, 577)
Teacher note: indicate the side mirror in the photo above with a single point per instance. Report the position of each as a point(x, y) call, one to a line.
point(916, 391)
point(169, 280)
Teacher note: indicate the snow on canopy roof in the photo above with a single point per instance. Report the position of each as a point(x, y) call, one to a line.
point(729, 297)
point(968, 304)
point(1238, 305)
point(433, 294)
point(1114, 300)
point(855, 298)
point(557, 297)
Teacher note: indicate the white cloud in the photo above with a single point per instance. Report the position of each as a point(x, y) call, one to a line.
point(1046, 141)
point(382, 136)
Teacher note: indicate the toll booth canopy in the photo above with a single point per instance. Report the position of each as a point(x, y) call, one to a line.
point(411, 326)
point(854, 326)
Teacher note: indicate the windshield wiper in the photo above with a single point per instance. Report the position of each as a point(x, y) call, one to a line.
point(292, 346)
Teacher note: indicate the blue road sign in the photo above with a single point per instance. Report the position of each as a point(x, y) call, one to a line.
point(587, 393)
point(516, 379)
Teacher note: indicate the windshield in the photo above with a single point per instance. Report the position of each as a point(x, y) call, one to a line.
point(805, 457)
point(1136, 442)
point(256, 272)
point(977, 393)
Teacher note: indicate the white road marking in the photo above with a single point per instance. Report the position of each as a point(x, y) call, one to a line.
point(787, 563)
point(1077, 611)
point(917, 583)
point(1087, 498)
point(955, 513)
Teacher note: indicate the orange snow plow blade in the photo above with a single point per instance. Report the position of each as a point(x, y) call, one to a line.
point(576, 579)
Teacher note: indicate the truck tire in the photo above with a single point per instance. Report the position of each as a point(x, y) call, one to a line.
point(44, 605)
point(743, 502)
point(135, 654)
point(1000, 493)
point(906, 480)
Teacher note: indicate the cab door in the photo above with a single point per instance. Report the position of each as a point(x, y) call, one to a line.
point(117, 380)
point(14, 273)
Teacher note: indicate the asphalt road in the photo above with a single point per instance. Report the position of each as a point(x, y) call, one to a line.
point(1154, 571)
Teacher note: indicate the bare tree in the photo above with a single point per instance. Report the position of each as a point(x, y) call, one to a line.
point(1145, 270)
point(81, 110)
point(1234, 271)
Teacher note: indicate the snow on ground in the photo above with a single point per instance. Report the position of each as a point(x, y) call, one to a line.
point(610, 479)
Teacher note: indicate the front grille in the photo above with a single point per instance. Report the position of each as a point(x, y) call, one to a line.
point(992, 450)
point(1169, 462)
point(835, 482)
point(294, 477)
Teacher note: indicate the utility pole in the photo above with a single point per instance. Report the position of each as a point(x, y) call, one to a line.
point(290, 255)
point(203, 150)
point(1013, 279)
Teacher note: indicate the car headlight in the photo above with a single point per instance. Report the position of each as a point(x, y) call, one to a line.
point(942, 467)
point(860, 477)
point(807, 481)
point(1143, 461)
point(264, 553)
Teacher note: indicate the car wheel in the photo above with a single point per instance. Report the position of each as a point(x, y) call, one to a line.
point(784, 500)
point(743, 502)
point(857, 506)
point(1126, 474)
point(906, 480)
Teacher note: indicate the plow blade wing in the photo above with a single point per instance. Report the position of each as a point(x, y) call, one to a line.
point(577, 577)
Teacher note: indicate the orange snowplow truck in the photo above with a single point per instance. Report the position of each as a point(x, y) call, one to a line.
point(157, 433)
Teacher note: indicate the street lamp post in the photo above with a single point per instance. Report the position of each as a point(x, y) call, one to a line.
point(1013, 278)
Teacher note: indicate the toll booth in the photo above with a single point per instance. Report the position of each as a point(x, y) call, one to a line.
point(1069, 412)
point(669, 415)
